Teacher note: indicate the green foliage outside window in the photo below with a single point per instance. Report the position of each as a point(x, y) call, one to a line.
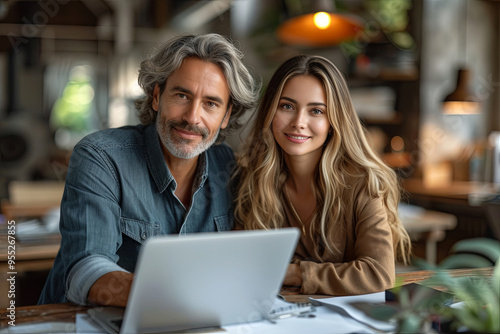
point(74, 109)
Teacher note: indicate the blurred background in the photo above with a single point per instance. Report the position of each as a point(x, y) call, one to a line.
point(424, 77)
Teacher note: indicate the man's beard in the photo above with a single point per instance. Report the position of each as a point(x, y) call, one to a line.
point(180, 147)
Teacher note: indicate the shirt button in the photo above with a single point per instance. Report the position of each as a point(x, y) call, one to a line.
point(143, 236)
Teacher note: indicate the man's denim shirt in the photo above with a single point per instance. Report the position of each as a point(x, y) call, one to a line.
point(119, 192)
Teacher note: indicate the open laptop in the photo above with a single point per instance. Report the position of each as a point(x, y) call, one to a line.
point(203, 280)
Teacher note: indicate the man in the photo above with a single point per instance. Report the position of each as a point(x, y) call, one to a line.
point(164, 176)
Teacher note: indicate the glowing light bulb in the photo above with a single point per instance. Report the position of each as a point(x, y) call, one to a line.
point(322, 20)
point(397, 143)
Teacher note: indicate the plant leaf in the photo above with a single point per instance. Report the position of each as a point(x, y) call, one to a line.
point(410, 324)
point(489, 248)
point(495, 281)
point(461, 260)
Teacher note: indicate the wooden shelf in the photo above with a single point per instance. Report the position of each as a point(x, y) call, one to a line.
point(397, 119)
point(397, 159)
point(385, 75)
point(15, 211)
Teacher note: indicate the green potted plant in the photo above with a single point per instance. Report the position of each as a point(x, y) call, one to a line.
point(426, 310)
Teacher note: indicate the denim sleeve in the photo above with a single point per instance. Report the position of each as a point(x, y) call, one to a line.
point(90, 220)
point(84, 274)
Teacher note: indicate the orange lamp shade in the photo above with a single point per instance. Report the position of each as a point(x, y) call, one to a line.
point(303, 31)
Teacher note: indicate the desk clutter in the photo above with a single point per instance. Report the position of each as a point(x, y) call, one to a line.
point(34, 209)
point(42, 230)
point(317, 316)
point(354, 314)
point(325, 315)
point(329, 315)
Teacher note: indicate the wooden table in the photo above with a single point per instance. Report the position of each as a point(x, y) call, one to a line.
point(467, 201)
point(67, 312)
point(407, 278)
point(459, 192)
point(431, 226)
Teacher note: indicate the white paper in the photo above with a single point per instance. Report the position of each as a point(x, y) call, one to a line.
point(84, 324)
point(324, 322)
point(40, 327)
point(342, 304)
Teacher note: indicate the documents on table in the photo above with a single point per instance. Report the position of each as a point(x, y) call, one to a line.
point(343, 306)
point(330, 315)
point(322, 316)
point(40, 327)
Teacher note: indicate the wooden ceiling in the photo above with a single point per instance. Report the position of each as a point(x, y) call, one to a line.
point(22, 20)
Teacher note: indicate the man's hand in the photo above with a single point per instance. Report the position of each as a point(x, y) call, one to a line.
point(111, 289)
point(293, 275)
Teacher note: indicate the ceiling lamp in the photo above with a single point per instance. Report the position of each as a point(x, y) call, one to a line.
point(319, 27)
point(461, 101)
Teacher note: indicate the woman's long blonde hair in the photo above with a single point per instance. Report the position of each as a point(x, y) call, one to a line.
point(262, 171)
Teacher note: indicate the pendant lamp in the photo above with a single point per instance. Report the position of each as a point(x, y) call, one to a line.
point(461, 101)
point(319, 26)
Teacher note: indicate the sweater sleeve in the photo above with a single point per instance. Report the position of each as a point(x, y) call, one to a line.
point(368, 264)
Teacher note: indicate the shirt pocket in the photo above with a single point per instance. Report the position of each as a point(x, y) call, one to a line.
point(224, 222)
point(138, 230)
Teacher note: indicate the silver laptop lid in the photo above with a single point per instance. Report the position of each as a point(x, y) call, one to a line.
point(207, 279)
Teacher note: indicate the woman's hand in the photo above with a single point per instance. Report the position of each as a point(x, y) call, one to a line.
point(293, 275)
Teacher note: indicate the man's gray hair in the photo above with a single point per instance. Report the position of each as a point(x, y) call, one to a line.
point(213, 48)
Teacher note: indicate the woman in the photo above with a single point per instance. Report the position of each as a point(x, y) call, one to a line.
point(308, 164)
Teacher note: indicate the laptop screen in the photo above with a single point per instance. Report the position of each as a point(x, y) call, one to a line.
point(207, 279)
